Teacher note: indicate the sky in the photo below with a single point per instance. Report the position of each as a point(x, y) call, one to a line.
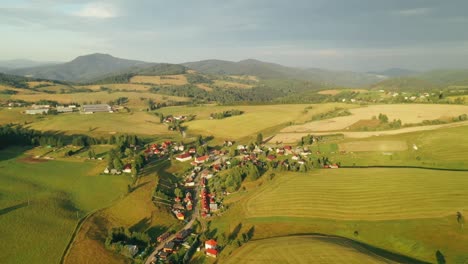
point(358, 35)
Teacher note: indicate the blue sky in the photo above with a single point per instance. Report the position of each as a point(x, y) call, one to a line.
point(356, 35)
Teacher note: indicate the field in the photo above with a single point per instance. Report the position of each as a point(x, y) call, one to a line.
point(104, 97)
point(255, 118)
point(141, 123)
point(408, 211)
point(304, 249)
point(335, 92)
point(59, 193)
point(179, 79)
point(136, 211)
point(227, 84)
point(407, 113)
point(376, 145)
point(118, 86)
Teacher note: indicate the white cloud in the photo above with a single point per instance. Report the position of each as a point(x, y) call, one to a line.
point(97, 10)
point(414, 11)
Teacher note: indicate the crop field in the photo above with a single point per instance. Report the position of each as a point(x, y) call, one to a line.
point(353, 194)
point(179, 79)
point(136, 211)
point(304, 249)
point(255, 118)
point(58, 192)
point(407, 113)
point(141, 123)
point(134, 97)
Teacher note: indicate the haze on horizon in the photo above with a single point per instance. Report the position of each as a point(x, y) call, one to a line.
point(360, 35)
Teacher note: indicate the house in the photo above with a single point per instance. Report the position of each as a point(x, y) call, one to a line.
point(211, 252)
point(192, 151)
point(38, 111)
point(295, 157)
point(211, 244)
point(95, 108)
point(106, 171)
point(169, 247)
point(164, 255)
point(184, 157)
point(241, 147)
point(127, 168)
point(189, 206)
point(213, 207)
point(180, 216)
point(163, 237)
point(182, 235)
point(202, 159)
point(288, 150)
point(271, 157)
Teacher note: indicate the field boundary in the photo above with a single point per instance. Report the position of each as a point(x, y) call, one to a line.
point(380, 252)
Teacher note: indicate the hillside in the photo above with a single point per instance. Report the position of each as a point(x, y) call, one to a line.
point(83, 68)
point(267, 70)
point(405, 84)
point(446, 77)
point(395, 72)
point(23, 63)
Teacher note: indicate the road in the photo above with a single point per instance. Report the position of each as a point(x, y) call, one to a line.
point(195, 215)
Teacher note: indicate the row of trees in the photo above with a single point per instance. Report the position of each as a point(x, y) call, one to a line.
point(225, 114)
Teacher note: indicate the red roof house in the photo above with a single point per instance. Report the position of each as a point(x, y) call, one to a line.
point(211, 252)
point(184, 157)
point(202, 159)
point(211, 244)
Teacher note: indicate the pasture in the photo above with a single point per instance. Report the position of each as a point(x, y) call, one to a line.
point(254, 120)
point(141, 123)
point(59, 193)
point(407, 113)
point(304, 249)
point(178, 79)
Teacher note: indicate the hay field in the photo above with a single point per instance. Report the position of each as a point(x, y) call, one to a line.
point(178, 79)
point(141, 123)
point(304, 249)
point(254, 119)
point(362, 194)
point(376, 145)
point(134, 97)
point(58, 191)
point(228, 84)
point(135, 211)
point(407, 113)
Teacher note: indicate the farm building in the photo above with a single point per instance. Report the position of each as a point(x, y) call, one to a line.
point(63, 109)
point(95, 108)
point(211, 253)
point(184, 157)
point(37, 111)
point(127, 168)
point(211, 244)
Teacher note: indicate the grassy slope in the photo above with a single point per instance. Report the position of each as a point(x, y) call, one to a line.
point(408, 211)
point(303, 249)
point(136, 211)
point(38, 233)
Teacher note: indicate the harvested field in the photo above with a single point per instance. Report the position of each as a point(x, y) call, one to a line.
point(377, 145)
point(408, 114)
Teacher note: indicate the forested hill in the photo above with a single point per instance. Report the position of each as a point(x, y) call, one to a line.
point(267, 70)
point(83, 68)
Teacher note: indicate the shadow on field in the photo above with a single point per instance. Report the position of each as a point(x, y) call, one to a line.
point(139, 186)
point(13, 208)
point(142, 225)
point(155, 231)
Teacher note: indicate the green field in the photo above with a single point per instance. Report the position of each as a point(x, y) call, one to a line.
point(405, 211)
point(304, 249)
point(255, 118)
point(59, 192)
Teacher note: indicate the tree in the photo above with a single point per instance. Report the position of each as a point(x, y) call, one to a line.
point(440, 257)
point(178, 192)
point(118, 164)
point(259, 139)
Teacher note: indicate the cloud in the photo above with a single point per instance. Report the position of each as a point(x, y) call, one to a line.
point(97, 10)
point(414, 11)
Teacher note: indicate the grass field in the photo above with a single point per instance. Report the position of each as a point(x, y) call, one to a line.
point(136, 211)
point(353, 194)
point(179, 79)
point(255, 118)
point(376, 145)
point(104, 97)
point(141, 123)
point(406, 211)
point(407, 113)
point(304, 249)
point(58, 192)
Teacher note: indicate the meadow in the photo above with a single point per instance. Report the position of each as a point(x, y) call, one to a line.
point(41, 203)
point(405, 211)
point(304, 249)
point(179, 79)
